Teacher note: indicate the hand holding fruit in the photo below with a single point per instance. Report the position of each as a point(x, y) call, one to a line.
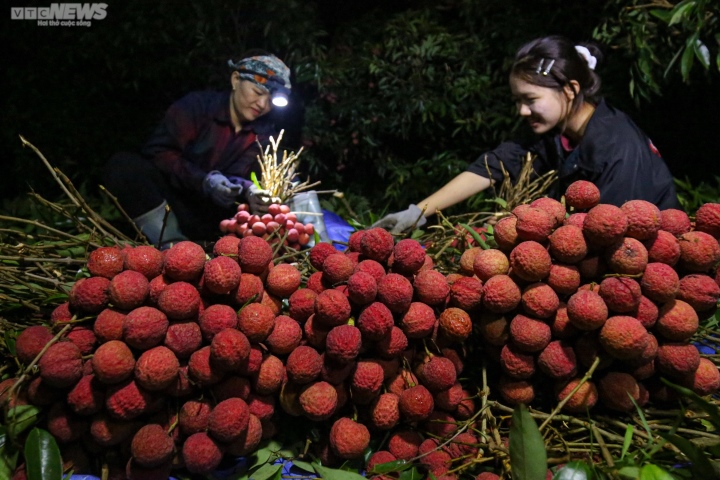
point(258, 199)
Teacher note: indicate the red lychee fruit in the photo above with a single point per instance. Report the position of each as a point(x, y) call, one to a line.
point(539, 300)
point(646, 312)
point(343, 343)
point(145, 327)
point(362, 288)
point(699, 251)
point(431, 287)
point(145, 259)
point(229, 350)
point(378, 458)
point(128, 290)
point(87, 397)
point(404, 444)
point(251, 289)
point(226, 246)
point(677, 360)
point(285, 336)
point(157, 285)
point(193, 416)
point(623, 337)
point(348, 438)
point(605, 225)
point(553, 207)
point(505, 234)
point(582, 195)
point(706, 379)
point(201, 370)
point(530, 261)
point(501, 294)
point(337, 268)
point(408, 256)
point(416, 403)
point(495, 329)
point(366, 381)
point(61, 364)
point(254, 254)
point(64, 425)
point(90, 295)
point(248, 441)
point(270, 376)
point(418, 321)
point(396, 292)
point(515, 363)
point(675, 221)
point(454, 324)
point(302, 304)
point(677, 321)
point(183, 338)
point(584, 399)
point(200, 453)
point(375, 269)
point(332, 308)
point(621, 294)
point(616, 389)
point(467, 260)
point(256, 321)
point(659, 282)
point(319, 253)
point(707, 219)
point(108, 325)
point(156, 369)
point(644, 219)
point(377, 244)
point(663, 248)
point(557, 360)
point(385, 412)
point(318, 401)
point(221, 275)
point(567, 244)
point(152, 446)
point(392, 345)
point(126, 400)
point(61, 314)
point(303, 365)
point(228, 420)
point(232, 386)
point(217, 318)
point(575, 219)
point(564, 279)
point(184, 261)
point(489, 263)
point(83, 337)
point(534, 224)
point(516, 392)
point(437, 374)
point(528, 334)
point(466, 293)
point(628, 257)
point(113, 362)
point(700, 291)
point(560, 325)
point(179, 301)
point(105, 262)
point(31, 341)
point(283, 280)
point(375, 321)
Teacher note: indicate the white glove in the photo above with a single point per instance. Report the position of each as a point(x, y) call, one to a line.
point(400, 221)
point(221, 190)
point(258, 199)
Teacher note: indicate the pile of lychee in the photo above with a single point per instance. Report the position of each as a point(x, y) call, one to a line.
point(180, 360)
point(278, 224)
point(580, 283)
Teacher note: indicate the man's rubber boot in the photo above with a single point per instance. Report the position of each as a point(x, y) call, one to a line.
point(151, 225)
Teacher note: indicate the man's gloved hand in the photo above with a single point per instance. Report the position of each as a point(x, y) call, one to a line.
point(221, 190)
point(400, 221)
point(258, 199)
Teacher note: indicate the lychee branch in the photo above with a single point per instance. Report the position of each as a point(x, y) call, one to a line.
point(561, 404)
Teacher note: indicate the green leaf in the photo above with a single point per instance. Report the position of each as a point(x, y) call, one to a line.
point(629, 472)
point(411, 474)
point(679, 11)
point(303, 465)
point(394, 466)
point(8, 458)
point(702, 53)
point(709, 408)
point(653, 472)
point(664, 15)
point(574, 471)
point(42, 456)
point(21, 418)
point(334, 474)
point(254, 179)
point(701, 465)
point(528, 458)
point(475, 236)
point(687, 61)
point(266, 471)
point(627, 441)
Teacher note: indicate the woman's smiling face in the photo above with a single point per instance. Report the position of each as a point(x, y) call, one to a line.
point(544, 108)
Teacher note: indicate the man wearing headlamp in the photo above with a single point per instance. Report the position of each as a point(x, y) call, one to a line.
point(200, 158)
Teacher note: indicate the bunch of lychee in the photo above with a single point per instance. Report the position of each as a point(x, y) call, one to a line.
point(583, 283)
point(181, 359)
point(279, 224)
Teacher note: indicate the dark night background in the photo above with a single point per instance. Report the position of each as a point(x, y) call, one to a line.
point(80, 94)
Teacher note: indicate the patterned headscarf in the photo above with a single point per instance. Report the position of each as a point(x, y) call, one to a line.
point(266, 71)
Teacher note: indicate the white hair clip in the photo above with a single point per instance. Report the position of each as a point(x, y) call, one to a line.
point(585, 53)
point(544, 68)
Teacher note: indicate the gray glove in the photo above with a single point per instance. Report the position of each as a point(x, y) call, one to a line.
point(258, 199)
point(400, 221)
point(221, 190)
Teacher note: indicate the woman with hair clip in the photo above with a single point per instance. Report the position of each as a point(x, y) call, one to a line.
point(556, 89)
point(200, 158)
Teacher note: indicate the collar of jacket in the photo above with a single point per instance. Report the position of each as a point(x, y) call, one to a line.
point(221, 114)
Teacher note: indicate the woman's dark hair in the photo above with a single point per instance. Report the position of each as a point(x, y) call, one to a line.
point(553, 61)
